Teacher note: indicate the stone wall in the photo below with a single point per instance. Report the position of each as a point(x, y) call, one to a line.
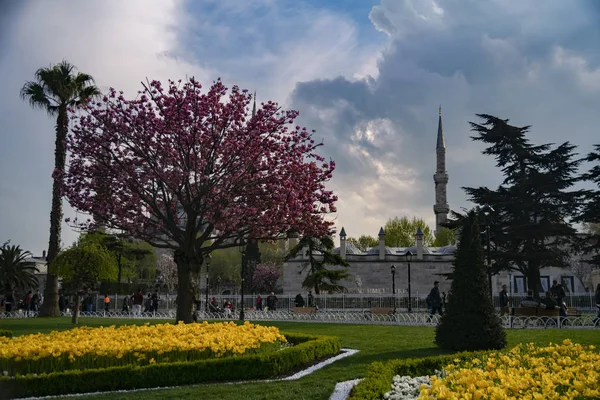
point(373, 276)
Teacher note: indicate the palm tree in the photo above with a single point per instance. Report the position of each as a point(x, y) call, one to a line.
point(15, 272)
point(55, 89)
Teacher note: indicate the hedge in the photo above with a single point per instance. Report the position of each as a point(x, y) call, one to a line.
point(306, 349)
point(380, 375)
point(5, 333)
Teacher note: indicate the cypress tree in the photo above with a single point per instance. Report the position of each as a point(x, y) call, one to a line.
point(530, 226)
point(470, 321)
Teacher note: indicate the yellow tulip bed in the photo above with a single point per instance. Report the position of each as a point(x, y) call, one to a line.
point(564, 371)
point(84, 347)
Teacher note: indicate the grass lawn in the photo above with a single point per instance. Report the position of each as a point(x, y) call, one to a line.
point(375, 342)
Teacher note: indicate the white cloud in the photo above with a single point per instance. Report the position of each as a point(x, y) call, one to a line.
point(587, 77)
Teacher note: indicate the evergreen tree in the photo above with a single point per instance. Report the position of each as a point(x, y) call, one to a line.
point(470, 321)
point(530, 226)
point(319, 255)
point(590, 215)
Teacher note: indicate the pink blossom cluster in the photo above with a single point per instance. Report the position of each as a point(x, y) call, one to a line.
point(184, 168)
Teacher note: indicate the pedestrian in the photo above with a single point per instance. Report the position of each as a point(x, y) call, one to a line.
point(106, 303)
point(272, 302)
point(137, 300)
point(504, 309)
point(310, 298)
point(259, 303)
point(559, 293)
point(155, 300)
point(299, 301)
point(435, 300)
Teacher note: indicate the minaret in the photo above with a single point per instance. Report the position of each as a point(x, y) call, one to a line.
point(441, 207)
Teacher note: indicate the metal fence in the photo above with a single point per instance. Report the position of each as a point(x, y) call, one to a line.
point(585, 321)
point(584, 302)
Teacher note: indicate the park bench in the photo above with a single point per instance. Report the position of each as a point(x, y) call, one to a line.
point(304, 310)
point(541, 312)
point(534, 312)
point(382, 311)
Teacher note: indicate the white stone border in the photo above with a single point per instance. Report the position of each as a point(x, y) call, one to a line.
point(296, 376)
point(342, 390)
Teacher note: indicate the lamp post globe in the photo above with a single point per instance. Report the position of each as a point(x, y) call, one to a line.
point(409, 256)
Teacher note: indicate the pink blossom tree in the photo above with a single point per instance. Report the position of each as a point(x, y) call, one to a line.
point(265, 277)
point(195, 171)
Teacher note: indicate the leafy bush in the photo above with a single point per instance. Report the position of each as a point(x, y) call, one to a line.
point(5, 333)
point(380, 375)
point(470, 322)
point(306, 349)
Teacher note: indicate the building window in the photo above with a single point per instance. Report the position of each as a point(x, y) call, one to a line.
point(545, 283)
point(520, 284)
point(568, 283)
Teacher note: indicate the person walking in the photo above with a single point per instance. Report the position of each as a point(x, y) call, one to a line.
point(504, 308)
point(435, 299)
point(138, 301)
point(272, 302)
point(259, 303)
point(106, 303)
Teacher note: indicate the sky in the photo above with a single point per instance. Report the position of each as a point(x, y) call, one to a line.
point(367, 75)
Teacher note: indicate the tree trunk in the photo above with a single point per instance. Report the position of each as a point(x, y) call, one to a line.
point(75, 317)
point(185, 294)
point(534, 280)
point(50, 305)
point(120, 265)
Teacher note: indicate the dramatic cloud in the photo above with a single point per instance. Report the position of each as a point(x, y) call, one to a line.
point(510, 59)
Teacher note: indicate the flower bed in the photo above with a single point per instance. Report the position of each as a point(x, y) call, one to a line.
point(306, 349)
point(564, 371)
point(85, 347)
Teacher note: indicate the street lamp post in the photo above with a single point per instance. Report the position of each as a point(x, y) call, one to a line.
point(242, 315)
point(487, 212)
point(408, 260)
point(207, 281)
point(393, 269)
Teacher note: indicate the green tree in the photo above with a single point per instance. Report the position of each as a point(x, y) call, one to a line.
point(470, 321)
point(55, 89)
point(364, 242)
point(319, 254)
point(445, 237)
point(400, 232)
point(15, 272)
point(134, 258)
point(82, 267)
point(529, 220)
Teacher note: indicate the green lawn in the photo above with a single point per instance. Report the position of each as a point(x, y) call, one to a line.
point(376, 343)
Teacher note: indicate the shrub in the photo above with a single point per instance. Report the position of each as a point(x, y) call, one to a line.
point(307, 349)
point(380, 375)
point(5, 333)
point(470, 321)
